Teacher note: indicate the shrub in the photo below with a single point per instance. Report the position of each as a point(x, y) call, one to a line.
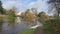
point(52, 26)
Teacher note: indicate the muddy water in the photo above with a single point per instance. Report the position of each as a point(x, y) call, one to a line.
point(15, 27)
point(12, 27)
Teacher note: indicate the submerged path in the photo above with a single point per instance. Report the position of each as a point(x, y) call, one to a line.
point(39, 30)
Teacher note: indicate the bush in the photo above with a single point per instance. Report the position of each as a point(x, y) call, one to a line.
point(52, 26)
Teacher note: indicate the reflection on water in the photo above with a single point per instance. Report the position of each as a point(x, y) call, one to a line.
point(15, 27)
point(1, 22)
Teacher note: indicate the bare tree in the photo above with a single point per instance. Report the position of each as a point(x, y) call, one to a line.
point(34, 10)
point(54, 4)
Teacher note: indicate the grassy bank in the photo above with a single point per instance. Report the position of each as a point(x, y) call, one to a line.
point(28, 32)
point(9, 18)
point(52, 26)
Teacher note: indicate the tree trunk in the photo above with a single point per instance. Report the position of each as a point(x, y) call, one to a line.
point(57, 13)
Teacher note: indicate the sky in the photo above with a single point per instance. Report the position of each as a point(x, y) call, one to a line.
point(23, 5)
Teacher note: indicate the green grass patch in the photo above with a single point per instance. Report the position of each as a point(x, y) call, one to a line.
point(9, 18)
point(28, 31)
point(52, 26)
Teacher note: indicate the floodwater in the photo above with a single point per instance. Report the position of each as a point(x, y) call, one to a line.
point(12, 28)
point(15, 27)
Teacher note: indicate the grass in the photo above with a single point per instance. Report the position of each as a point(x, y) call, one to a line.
point(28, 31)
point(9, 18)
point(52, 26)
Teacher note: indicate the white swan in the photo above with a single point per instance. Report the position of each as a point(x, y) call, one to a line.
point(38, 25)
point(34, 27)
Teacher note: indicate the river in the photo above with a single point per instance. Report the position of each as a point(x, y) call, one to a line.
point(16, 27)
point(13, 28)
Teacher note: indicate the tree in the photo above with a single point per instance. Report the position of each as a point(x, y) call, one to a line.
point(41, 13)
point(11, 12)
point(34, 10)
point(1, 8)
point(28, 10)
point(29, 17)
point(55, 4)
point(42, 16)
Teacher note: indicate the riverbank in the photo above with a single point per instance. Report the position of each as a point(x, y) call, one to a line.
point(9, 18)
point(31, 31)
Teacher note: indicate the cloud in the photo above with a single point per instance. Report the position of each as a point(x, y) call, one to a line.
point(23, 5)
point(15, 3)
point(10, 4)
point(38, 4)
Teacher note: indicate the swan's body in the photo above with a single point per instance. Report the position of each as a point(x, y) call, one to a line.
point(34, 27)
point(38, 25)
